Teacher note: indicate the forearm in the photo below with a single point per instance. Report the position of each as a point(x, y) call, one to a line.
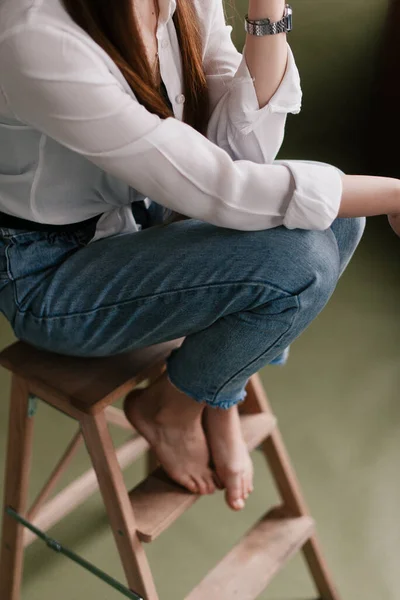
point(266, 56)
point(369, 196)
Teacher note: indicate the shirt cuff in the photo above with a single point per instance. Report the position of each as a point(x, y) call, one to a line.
point(316, 200)
point(244, 110)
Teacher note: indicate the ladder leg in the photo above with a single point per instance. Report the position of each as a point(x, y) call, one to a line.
point(115, 496)
point(289, 488)
point(16, 484)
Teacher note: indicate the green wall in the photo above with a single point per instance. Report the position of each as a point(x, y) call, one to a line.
point(336, 45)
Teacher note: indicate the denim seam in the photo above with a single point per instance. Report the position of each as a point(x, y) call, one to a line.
point(8, 262)
point(11, 281)
point(152, 297)
point(282, 336)
point(78, 235)
point(11, 236)
point(226, 404)
point(212, 400)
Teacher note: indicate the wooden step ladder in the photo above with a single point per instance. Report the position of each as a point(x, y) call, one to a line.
point(85, 389)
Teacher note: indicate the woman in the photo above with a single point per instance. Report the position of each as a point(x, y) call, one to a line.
point(87, 266)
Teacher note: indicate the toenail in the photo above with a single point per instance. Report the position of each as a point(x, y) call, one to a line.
point(239, 504)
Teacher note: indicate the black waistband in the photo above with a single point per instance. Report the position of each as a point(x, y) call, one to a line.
point(11, 222)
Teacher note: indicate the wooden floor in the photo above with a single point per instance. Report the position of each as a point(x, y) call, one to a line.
point(338, 407)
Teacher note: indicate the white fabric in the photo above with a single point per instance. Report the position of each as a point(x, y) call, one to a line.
point(75, 142)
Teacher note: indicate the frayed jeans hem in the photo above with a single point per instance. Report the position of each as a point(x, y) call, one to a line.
point(223, 403)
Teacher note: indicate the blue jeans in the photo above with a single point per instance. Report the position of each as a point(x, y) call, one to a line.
point(239, 298)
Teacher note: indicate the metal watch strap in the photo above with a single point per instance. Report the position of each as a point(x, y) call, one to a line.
point(260, 27)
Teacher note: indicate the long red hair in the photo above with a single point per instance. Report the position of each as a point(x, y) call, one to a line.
point(112, 24)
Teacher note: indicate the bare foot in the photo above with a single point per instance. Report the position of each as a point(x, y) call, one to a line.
point(230, 455)
point(171, 422)
point(394, 221)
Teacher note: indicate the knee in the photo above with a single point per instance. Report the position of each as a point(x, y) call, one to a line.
point(293, 260)
point(348, 233)
point(302, 269)
point(355, 228)
point(316, 269)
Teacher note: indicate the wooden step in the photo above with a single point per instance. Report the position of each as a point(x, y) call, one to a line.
point(249, 567)
point(256, 428)
point(158, 501)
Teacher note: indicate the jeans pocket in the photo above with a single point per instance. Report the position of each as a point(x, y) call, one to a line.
point(32, 258)
point(4, 276)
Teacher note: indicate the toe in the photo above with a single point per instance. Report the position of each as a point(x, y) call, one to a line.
point(201, 484)
point(245, 491)
point(248, 476)
point(218, 481)
point(248, 485)
point(189, 483)
point(208, 480)
point(234, 492)
point(236, 504)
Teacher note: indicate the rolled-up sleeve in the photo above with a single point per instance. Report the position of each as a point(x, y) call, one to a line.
point(316, 200)
point(244, 110)
point(237, 123)
point(247, 132)
point(55, 83)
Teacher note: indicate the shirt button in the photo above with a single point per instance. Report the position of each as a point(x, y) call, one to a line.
point(180, 99)
point(164, 44)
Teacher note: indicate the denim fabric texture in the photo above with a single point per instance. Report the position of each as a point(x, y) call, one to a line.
point(239, 298)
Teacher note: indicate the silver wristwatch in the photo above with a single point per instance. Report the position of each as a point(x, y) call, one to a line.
point(265, 27)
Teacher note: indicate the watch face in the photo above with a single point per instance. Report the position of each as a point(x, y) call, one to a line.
point(289, 17)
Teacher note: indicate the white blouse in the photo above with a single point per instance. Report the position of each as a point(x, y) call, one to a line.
point(75, 142)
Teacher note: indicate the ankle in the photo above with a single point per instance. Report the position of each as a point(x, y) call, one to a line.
point(165, 405)
point(177, 411)
point(173, 406)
